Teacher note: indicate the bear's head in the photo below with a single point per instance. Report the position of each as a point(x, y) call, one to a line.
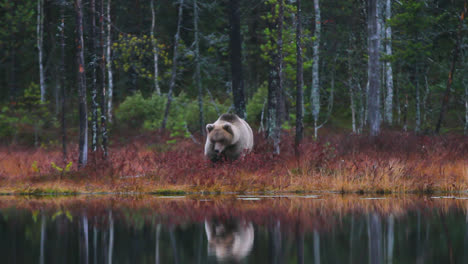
point(221, 134)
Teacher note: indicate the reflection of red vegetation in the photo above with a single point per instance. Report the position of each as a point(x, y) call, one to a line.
point(292, 212)
point(392, 162)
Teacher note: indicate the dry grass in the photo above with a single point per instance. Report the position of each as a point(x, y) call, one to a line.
point(394, 162)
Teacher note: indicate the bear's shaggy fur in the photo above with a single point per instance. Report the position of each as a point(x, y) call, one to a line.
point(229, 137)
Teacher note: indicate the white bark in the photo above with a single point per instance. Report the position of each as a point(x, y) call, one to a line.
point(315, 91)
point(374, 67)
point(40, 37)
point(316, 247)
point(389, 71)
point(86, 238)
point(110, 81)
point(390, 238)
point(155, 50)
point(111, 238)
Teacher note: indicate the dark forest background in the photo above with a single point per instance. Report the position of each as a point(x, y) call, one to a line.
point(367, 66)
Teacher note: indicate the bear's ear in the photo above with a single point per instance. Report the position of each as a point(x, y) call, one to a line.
point(228, 128)
point(209, 127)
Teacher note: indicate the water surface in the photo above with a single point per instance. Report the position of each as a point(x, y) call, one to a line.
point(234, 229)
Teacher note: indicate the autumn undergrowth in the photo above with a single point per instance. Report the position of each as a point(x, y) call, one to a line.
point(156, 163)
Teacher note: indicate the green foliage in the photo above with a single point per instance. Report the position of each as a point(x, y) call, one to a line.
point(136, 53)
point(257, 104)
point(288, 38)
point(60, 169)
point(147, 113)
point(29, 115)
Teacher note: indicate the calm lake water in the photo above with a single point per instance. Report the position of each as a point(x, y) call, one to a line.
point(235, 229)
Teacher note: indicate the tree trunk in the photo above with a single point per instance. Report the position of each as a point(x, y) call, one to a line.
point(83, 112)
point(103, 83)
point(197, 69)
point(405, 114)
point(62, 79)
point(374, 67)
point(316, 247)
point(110, 251)
point(417, 128)
point(389, 71)
point(299, 81)
point(235, 43)
point(315, 91)
point(43, 238)
point(374, 232)
point(110, 81)
point(275, 83)
point(390, 238)
point(351, 91)
point(456, 51)
point(40, 38)
point(86, 238)
point(174, 65)
point(94, 89)
point(155, 50)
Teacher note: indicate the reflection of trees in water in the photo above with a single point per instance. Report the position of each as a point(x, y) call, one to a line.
point(140, 235)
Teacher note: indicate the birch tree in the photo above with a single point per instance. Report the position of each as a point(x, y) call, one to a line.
point(373, 29)
point(94, 88)
point(197, 69)
point(275, 79)
point(388, 65)
point(174, 65)
point(103, 93)
point(299, 80)
point(315, 91)
point(40, 41)
point(110, 81)
point(235, 44)
point(83, 112)
point(155, 50)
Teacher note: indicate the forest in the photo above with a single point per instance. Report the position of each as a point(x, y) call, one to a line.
point(124, 89)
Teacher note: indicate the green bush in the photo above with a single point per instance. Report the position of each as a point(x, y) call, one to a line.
point(137, 112)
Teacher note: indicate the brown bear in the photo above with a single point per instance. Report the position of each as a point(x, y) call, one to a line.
point(229, 138)
point(229, 240)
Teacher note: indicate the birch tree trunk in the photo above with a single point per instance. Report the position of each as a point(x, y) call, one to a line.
point(110, 251)
point(43, 239)
point(110, 81)
point(197, 69)
point(299, 80)
point(94, 89)
point(62, 79)
point(174, 65)
point(155, 50)
point(275, 83)
point(456, 51)
point(83, 112)
point(389, 72)
point(40, 38)
point(315, 91)
point(103, 87)
point(374, 67)
point(86, 238)
point(235, 44)
point(351, 91)
point(316, 247)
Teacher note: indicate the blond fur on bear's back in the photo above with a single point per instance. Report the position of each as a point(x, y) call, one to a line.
point(237, 141)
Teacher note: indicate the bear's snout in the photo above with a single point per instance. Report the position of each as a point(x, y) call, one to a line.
point(218, 148)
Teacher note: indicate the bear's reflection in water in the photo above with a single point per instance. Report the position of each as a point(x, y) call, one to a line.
point(230, 240)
